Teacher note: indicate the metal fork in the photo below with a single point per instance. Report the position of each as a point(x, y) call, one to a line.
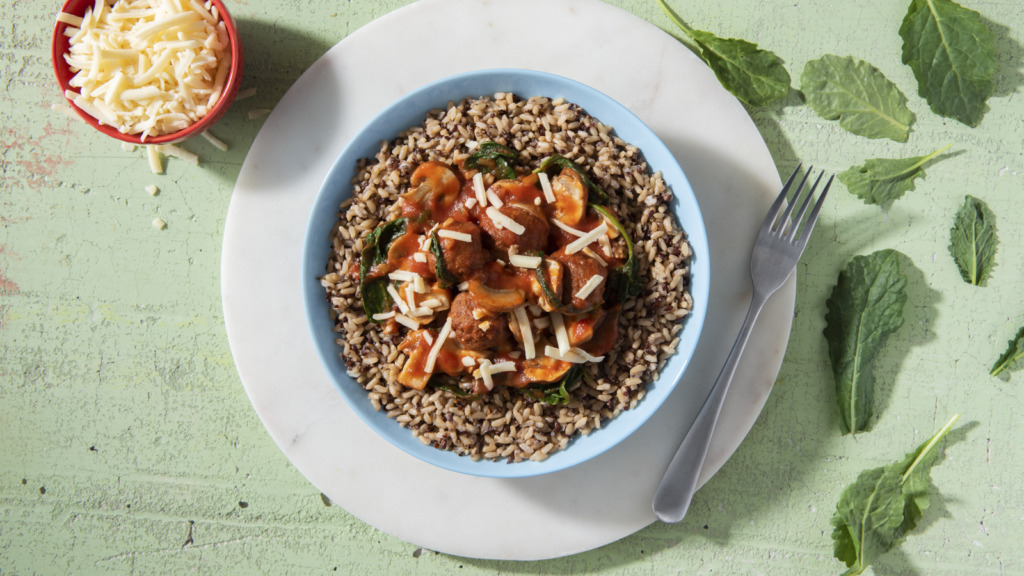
point(779, 245)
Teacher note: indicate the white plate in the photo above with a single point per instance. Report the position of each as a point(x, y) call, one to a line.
point(574, 510)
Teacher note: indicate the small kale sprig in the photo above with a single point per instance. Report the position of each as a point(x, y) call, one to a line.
point(875, 513)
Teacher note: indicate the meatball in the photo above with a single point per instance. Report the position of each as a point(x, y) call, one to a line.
point(579, 269)
point(530, 217)
point(476, 333)
point(462, 259)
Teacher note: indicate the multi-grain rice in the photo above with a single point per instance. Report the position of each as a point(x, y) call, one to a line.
point(506, 424)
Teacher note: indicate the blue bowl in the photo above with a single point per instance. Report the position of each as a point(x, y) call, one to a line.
point(411, 110)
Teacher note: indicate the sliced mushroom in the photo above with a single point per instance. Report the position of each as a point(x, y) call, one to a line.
point(570, 197)
point(496, 300)
point(435, 186)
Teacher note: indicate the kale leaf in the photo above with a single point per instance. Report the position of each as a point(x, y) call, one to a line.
point(882, 181)
point(973, 240)
point(755, 76)
point(952, 54)
point(857, 94)
point(1010, 359)
point(875, 513)
point(865, 307)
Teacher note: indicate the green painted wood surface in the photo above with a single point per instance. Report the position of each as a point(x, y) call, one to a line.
point(128, 446)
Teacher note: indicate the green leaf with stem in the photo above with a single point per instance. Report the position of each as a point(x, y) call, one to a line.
point(952, 54)
point(882, 181)
point(865, 307)
point(1012, 357)
point(973, 241)
point(755, 76)
point(857, 94)
point(875, 513)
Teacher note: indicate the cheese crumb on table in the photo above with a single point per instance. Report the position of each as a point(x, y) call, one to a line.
point(159, 223)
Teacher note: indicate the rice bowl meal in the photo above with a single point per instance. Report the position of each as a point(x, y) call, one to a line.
point(506, 276)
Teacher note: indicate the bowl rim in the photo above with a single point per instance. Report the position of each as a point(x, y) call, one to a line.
point(59, 46)
point(385, 126)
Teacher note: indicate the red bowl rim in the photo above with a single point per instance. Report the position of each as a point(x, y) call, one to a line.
point(59, 47)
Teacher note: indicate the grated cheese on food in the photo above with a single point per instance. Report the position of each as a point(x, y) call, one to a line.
point(527, 333)
point(569, 229)
point(524, 261)
point(454, 235)
point(147, 67)
point(407, 321)
point(436, 348)
point(545, 185)
point(478, 188)
point(494, 200)
point(398, 299)
point(561, 334)
point(590, 286)
point(585, 240)
point(503, 221)
point(567, 356)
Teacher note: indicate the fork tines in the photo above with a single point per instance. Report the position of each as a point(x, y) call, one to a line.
point(781, 223)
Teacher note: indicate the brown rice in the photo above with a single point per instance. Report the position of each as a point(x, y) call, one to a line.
point(506, 424)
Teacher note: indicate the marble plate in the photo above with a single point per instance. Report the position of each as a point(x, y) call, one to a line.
point(578, 509)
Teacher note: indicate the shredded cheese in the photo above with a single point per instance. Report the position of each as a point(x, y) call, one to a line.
point(569, 229)
point(587, 355)
point(526, 331)
point(503, 221)
point(567, 356)
point(468, 361)
point(147, 67)
point(478, 188)
point(398, 299)
point(384, 315)
point(470, 203)
point(524, 261)
point(436, 348)
point(419, 257)
point(545, 185)
point(407, 321)
point(561, 334)
point(505, 366)
point(590, 286)
point(156, 165)
point(595, 256)
point(454, 235)
point(432, 303)
point(493, 199)
point(485, 373)
point(585, 240)
point(403, 276)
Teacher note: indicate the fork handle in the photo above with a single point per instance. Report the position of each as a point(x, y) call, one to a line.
point(679, 483)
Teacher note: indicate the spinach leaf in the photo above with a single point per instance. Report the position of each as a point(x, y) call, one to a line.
point(856, 93)
point(865, 307)
point(599, 195)
point(973, 240)
point(501, 157)
point(623, 282)
point(375, 251)
point(952, 54)
point(445, 279)
point(559, 394)
point(1012, 357)
point(882, 181)
point(757, 77)
point(875, 513)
